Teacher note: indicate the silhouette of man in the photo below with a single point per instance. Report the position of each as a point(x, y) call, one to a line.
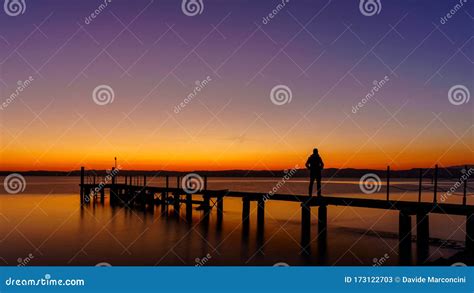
point(315, 165)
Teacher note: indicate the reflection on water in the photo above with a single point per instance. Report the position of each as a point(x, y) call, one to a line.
point(47, 222)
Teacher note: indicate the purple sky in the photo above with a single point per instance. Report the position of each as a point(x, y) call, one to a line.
point(151, 54)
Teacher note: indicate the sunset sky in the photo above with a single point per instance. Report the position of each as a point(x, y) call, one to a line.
point(151, 54)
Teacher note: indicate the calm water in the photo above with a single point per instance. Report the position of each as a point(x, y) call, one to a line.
point(45, 225)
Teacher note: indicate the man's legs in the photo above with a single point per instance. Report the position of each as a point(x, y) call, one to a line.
point(318, 184)
point(311, 182)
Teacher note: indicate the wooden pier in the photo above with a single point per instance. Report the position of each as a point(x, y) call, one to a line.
point(134, 192)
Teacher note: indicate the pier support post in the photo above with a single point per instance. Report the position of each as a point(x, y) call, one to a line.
point(404, 235)
point(245, 210)
point(305, 227)
point(322, 220)
point(220, 208)
point(422, 236)
point(82, 186)
point(189, 207)
point(163, 198)
point(102, 195)
point(176, 198)
point(470, 233)
point(260, 212)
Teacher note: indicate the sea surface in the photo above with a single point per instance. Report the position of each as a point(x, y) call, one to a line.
point(46, 225)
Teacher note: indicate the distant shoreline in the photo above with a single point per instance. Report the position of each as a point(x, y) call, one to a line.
point(450, 172)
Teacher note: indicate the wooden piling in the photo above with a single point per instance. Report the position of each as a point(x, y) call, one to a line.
point(388, 183)
point(144, 180)
point(113, 191)
point(464, 197)
point(322, 220)
point(189, 207)
point(422, 236)
point(404, 234)
point(420, 183)
point(260, 211)
point(245, 210)
point(82, 186)
point(220, 207)
point(435, 199)
point(102, 195)
point(470, 233)
point(305, 223)
point(176, 199)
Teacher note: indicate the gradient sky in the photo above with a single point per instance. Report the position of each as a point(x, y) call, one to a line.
point(327, 52)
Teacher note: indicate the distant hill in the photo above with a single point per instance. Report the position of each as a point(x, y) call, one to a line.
point(450, 172)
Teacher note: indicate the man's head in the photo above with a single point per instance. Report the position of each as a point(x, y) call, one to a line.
point(315, 151)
